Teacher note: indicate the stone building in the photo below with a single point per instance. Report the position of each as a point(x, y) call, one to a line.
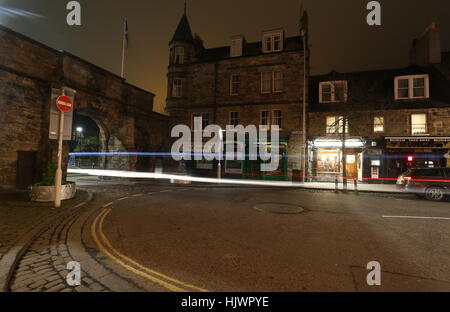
point(29, 73)
point(244, 83)
point(394, 119)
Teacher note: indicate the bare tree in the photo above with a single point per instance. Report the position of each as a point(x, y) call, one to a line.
point(352, 102)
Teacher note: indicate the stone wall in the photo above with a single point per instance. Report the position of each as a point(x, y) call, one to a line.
point(397, 122)
point(206, 89)
point(28, 72)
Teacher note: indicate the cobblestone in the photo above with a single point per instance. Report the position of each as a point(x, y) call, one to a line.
point(36, 284)
point(53, 277)
point(54, 283)
point(43, 267)
point(56, 288)
point(18, 215)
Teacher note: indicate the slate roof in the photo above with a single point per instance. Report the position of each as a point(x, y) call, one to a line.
point(183, 31)
point(374, 90)
point(249, 49)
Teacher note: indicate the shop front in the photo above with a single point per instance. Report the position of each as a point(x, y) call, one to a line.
point(253, 167)
point(403, 153)
point(326, 159)
point(247, 168)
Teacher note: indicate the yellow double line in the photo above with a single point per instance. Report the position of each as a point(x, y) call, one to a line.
point(105, 246)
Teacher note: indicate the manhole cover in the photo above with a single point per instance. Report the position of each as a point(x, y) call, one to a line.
point(279, 208)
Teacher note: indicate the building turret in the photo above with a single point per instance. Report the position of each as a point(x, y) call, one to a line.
point(183, 48)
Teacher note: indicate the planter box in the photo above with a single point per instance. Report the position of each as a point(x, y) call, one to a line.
point(44, 194)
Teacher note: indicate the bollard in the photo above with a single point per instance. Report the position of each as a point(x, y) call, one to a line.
point(336, 184)
point(356, 186)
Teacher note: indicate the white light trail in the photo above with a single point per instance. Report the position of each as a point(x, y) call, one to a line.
point(414, 217)
point(149, 175)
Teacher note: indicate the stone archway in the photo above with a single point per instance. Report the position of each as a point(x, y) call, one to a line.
point(113, 150)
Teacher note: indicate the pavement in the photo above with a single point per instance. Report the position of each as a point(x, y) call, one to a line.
point(18, 215)
point(361, 187)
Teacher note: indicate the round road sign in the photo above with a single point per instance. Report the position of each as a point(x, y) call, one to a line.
point(64, 103)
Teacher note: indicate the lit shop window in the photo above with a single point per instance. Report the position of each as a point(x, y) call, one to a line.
point(335, 124)
point(378, 124)
point(418, 124)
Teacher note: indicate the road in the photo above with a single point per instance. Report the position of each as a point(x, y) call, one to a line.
point(167, 238)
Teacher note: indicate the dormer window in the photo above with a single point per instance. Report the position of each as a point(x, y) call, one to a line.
point(236, 46)
point(179, 56)
point(333, 91)
point(412, 87)
point(273, 41)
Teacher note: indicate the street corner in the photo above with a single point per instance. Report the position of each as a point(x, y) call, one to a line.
point(27, 248)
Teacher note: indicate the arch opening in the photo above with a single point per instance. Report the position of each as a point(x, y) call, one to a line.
point(95, 145)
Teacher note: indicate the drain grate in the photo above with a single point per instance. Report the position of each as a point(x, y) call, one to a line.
point(279, 208)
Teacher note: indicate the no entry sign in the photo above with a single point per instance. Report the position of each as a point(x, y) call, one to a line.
point(64, 103)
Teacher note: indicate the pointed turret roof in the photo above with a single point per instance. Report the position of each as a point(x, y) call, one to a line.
point(183, 32)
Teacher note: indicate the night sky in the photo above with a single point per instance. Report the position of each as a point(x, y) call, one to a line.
point(339, 36)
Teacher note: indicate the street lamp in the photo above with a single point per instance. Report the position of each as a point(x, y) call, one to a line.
point(79, 132)
point(303, 34)
point(219, 164)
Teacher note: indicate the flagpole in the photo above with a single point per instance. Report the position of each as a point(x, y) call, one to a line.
point(123, 48)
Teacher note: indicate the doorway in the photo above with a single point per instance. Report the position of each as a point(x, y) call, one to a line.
point(26, 169)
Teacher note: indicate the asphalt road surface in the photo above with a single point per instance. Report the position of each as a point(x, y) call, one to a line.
point(275, 239)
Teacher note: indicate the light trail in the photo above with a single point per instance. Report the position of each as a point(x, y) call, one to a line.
point(223, 156)
point(150, 175)
point(13, 12)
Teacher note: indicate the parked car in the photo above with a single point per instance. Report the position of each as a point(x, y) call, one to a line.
point(430, 183)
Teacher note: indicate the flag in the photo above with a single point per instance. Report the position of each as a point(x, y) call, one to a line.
point(125, 34)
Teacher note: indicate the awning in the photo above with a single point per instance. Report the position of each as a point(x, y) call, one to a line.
point(418, 142)
point(418, 139)
point(349, 143)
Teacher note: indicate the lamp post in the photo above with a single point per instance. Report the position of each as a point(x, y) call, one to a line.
point(303, 34)
point(79, 132)
point(219, 163)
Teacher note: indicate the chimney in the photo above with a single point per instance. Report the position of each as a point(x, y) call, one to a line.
point(426, 48)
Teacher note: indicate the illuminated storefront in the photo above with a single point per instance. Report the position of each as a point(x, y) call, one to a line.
point(416, 152)
point(326, 159)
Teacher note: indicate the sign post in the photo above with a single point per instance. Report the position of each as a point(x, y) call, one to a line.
point(64, 104)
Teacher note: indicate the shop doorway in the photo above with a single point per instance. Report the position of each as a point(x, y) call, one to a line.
point(354, 165)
